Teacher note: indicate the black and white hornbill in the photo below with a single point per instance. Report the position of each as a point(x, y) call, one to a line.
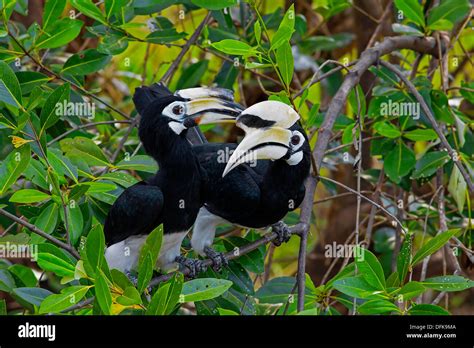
point(263, 179)
point(173, 196)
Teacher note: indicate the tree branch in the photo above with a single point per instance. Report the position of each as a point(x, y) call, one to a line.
point(41, 233)
point(453, 154)
point(370, 56)
point(231, 255)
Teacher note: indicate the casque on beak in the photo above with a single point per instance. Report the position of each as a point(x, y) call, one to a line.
point(213, 110)
point(266, 143)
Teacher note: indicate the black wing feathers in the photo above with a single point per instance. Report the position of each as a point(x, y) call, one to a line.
point(137, 211)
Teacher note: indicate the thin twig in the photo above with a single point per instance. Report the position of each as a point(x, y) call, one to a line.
point(433, 122)
point(41, 233)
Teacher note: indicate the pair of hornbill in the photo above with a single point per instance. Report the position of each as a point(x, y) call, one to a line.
point(197, 185)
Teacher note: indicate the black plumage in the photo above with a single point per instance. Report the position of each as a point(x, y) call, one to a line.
point(173, 196)
point(252, 196)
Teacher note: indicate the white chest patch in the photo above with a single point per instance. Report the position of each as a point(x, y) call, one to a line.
point(124, 255)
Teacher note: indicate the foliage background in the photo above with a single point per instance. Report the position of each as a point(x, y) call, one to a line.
point(59, 175)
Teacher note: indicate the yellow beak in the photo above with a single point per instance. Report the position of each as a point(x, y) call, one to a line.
point(269, 143)
point(212, 110)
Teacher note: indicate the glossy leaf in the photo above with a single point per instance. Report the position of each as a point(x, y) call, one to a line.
point(204, 289)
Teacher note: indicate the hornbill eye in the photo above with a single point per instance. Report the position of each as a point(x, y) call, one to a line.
point(295, 139)
point(178, 109)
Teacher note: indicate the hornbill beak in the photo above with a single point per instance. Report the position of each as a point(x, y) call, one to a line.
point(212, 110)
point(267, 134)
point(208, 105)
point(264, 143)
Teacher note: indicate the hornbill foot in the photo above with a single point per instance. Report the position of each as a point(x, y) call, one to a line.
point(195, 266)
point(218, 259)
point(133, 277)
point(283, 233)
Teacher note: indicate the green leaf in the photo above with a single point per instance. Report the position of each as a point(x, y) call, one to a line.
point(410, 290)
point(370, 268)
point(285, 30)
point(59, 33)
point(387, 129)
point(29, 80)
point(386, 76)
point(192, 75)
point(225, 312)
point(240, 278)
point(421, 135)
point(204, 289)
point(31, 295)
point(167, 296)
point(62, 165)
point(102, 294)
point(10, 92)
point(46, 221)
point(457, 187)
point(68, 297)
point(90, 9)
point(377, 307)
point(448, 283)
point(49, 113)
point(120, 279)
point(95, 247)
point(406, 29)
point(7, 7)
point(214, 4)
point(7, 282)
point(3, 307)
point(356, 99)
point(433, 245)
point(253, 261)
point(112, 44)
point(233, 47)
point(75, 221)
point(53, 263)
point(427, 309)
point(429, 163)
point(356, 287)
point(85, 149)
point(23, 274)
point(284, 59)
point(114, 6)
point(257, 29)
point(412, 10)
point(139, 162)
point(152, 246)
point(145, 272)
point(129, 297)
point(399, 162)
point(13, 166)
point(449, 12)
point(29, 196)
point(165, 36)
point(52, 10)
point(404, 258)
point(123, 179)
point(174, 293)
point(86, 62)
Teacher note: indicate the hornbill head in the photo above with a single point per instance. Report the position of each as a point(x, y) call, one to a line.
point(186, 108)
point(271, 132)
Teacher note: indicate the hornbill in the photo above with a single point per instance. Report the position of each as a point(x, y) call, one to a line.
point(261, 182)
point(173, 196)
